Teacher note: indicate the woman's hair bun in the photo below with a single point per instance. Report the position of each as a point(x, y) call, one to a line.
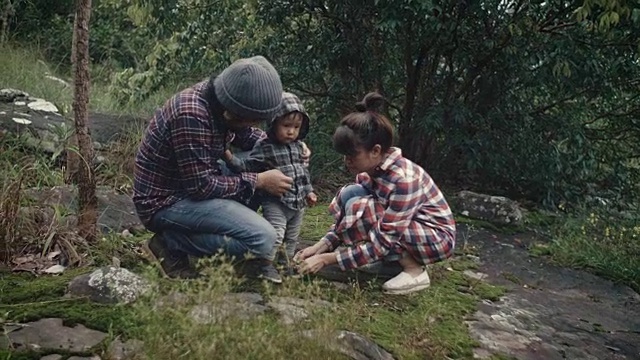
point(373, 101)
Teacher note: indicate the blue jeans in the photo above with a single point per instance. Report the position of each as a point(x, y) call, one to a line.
point(351, 193)
point(215, 226)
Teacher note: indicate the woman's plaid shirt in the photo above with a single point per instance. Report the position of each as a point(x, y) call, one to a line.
point(179, 153)
point(405, 206)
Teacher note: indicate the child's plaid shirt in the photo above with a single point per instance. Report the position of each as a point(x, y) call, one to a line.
point(268, 154)
point(405, 206)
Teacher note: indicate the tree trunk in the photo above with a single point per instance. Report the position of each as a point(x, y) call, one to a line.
point(5, 17)
point(87, 200)
point(73, 160)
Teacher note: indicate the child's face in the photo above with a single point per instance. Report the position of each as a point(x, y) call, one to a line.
point(364, 160)
point(288, 127)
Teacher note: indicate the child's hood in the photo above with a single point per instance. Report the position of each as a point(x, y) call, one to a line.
point(290, 103)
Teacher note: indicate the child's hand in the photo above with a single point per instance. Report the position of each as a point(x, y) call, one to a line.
point(312, 199)
point(228, 155)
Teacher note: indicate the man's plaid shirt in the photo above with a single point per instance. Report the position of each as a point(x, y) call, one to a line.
point(266, 155)
point(405, 206)
point(179, 153)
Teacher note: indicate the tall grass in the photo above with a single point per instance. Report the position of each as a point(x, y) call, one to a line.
point(24, 69)
point(601, 243)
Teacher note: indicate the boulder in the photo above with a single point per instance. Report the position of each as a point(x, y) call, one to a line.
point(46, 129)
point(494, 209)
point(109, 285)
point(116, 211)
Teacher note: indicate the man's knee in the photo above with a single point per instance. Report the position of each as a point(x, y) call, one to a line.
point(266, 237)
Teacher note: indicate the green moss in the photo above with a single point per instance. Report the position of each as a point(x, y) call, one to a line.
point(539, 250)
point(428, 324)
point(25, 288)
point(27, 298)
point(21, 355)
point(511, 277)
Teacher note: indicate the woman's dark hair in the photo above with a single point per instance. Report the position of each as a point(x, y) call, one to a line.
point(364, 128)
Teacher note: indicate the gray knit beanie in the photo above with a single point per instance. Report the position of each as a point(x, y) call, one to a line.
point(250, 88)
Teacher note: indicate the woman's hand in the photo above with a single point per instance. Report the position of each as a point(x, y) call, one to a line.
point(318, 248)
point(304, 254)
point(316, 262)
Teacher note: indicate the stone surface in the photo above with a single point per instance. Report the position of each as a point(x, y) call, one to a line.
point(550, 312)
point(352, 344)
point(51, 357)
point(294, 310)
point(174, 299)
point(118, 350)
point(239, 305)
point(474, 275)
point(47, 124)
point(494, 209)
point(109, 285)
point(116, 211)
point(50, 333)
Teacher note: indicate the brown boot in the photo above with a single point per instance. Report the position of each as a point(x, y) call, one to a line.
point(175, 266)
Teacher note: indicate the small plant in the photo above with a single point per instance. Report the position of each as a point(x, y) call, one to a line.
point(603, 243)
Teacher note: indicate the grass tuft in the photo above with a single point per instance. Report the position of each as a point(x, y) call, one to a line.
point(605, 245)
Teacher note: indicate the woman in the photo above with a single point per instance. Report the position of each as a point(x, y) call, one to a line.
point(394, 211)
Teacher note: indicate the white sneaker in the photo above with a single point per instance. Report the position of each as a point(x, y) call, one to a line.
point(405, 283)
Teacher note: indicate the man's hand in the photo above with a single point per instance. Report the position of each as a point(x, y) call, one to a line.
point(312, 199)
point(228, 155)
point(306, 154)
point(274, 182)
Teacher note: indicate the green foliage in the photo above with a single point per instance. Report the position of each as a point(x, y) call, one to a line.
point(531, 100)
point(534, 100)
point(604, 243)
point(500, 96)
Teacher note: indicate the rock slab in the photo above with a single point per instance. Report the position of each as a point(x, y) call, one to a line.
point(50, 333)
point(550, 312)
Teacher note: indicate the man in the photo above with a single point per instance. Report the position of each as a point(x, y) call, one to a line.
point(181, 192)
